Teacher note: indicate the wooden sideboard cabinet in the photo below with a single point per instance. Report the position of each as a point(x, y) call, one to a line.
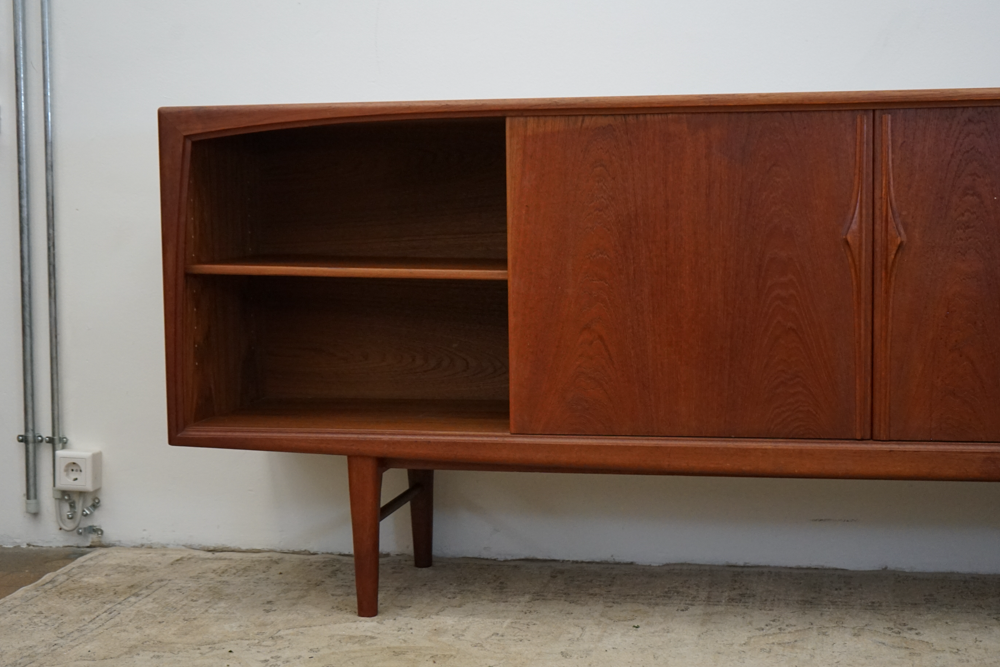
point(793, 285)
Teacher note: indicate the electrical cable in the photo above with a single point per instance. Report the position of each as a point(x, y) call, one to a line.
point(74, 507)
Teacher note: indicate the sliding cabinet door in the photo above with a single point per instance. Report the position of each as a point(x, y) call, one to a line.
point(937, 278)
point(702, 274)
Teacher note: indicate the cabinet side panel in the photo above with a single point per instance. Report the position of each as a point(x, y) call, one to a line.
point(174, 161)
point(691, 274)
point(215, 359)
point(223, 199)
point(938, 298)
point(218, 352)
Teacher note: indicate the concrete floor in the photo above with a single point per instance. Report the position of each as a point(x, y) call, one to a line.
point(177, 607)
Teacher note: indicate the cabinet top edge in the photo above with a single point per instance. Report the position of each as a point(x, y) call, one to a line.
point(206, 121)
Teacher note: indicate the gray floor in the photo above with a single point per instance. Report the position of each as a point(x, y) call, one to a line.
point(182, 607)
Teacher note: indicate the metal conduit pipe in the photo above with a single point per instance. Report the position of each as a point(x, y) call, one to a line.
point(57, 438)
point(30, 438)
point(69, 520)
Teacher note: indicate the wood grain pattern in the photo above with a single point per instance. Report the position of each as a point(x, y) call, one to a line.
point(204, 122)
point(358, 267)
point(223, 198)
point(381, 339)
point(218, 358)
point(424, 189)
point(337, 415)
point(174, 168)
point(693, 281)
point(938, 288)
point(836, 459)
point(411, 190)
point(346, 353)
point(858, 240)
point(889, 240)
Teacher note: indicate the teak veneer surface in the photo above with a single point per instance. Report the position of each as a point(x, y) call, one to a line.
point(293, 338)
point(938, 297)
point(396, 190)
point(357, 267)
point(297, 241)
point(411, 415)
point(214, 121)
point(430, 189)
point(691, 274)
point(746, 457)
point(382, 339)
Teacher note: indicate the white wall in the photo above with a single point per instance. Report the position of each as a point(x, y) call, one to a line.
point(116, 61)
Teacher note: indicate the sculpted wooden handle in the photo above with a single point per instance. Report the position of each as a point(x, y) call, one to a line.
point(895, 237)
point(856, 239)
point(853, 233)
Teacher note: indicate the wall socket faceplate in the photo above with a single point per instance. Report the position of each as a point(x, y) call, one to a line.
point(78, 471)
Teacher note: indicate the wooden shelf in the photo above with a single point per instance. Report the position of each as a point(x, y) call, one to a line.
point(357, 267)
point(480, 417)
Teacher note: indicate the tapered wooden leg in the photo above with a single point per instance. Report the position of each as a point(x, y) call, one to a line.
point(365, 480)
point(422, 516)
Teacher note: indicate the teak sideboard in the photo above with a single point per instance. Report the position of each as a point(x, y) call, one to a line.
point(791, 285)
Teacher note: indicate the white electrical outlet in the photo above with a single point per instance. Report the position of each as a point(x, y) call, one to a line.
point(78, 471)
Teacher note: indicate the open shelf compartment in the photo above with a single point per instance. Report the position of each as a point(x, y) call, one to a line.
point(347, 354)
point(404, 199)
